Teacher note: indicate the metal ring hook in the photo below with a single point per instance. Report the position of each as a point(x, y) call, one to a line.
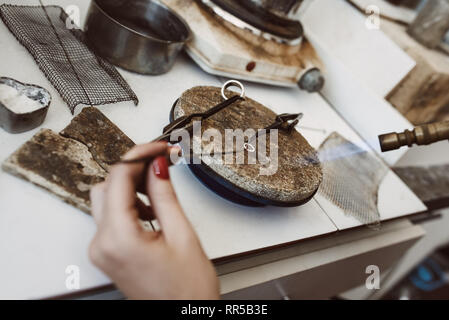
point(249, 147)
point(233, 83)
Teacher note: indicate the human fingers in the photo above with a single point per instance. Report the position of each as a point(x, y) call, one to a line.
point(121, 185)
point(174, 224)
point(97, 201)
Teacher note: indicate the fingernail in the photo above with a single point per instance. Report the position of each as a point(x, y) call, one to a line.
point(176, 149)
point(160, 168)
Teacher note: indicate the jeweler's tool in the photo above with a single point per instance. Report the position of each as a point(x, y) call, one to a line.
point(185, 123)
point(283, 121)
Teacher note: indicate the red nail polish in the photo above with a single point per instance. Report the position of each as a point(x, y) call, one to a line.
point(160, 167)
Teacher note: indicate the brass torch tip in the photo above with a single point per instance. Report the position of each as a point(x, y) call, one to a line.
point(421, 135)
point(389, 142)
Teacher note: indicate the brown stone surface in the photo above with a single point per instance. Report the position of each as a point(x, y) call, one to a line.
point(70, 163)
point(299, 171)
point(105, 140)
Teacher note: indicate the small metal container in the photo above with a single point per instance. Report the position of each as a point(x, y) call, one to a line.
point(20, 122)
point(142, 36)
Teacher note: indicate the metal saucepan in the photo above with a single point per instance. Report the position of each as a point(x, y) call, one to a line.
point(143, 36)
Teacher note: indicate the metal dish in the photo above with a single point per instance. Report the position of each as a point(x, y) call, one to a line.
point(142, 36)
point(20, 122)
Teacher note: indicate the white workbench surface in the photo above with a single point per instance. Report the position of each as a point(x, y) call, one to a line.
point(436, 230)
point(40, 236)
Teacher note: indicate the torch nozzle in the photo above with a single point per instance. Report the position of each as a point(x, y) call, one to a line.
point(422, 135)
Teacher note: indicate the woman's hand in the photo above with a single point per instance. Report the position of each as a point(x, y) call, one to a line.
point(148, 265)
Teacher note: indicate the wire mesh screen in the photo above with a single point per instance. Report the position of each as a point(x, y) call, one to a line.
point(351, 178)
point(62, 53)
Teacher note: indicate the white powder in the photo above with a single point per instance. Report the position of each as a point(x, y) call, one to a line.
point(16, 101)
